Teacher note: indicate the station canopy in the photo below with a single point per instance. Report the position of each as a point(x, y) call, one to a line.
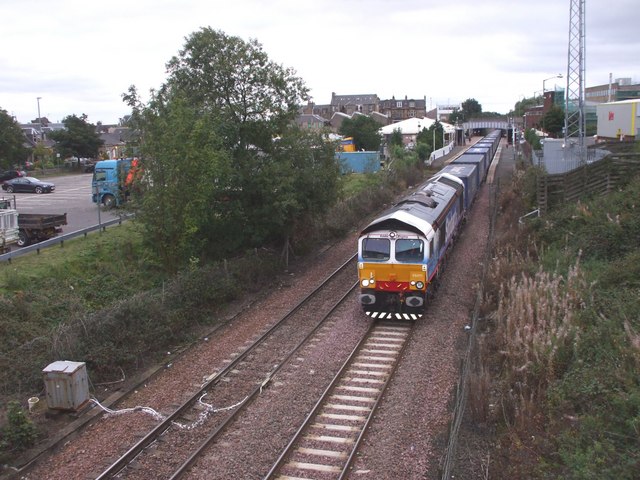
point(413, 126)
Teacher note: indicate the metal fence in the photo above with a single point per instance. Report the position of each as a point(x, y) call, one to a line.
point(595, 177)
point(449, 460)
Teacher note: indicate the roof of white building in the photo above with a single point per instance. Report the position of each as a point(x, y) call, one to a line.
point(412, 126)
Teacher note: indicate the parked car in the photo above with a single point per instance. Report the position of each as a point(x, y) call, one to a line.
point(10, 174)
point(28, 184)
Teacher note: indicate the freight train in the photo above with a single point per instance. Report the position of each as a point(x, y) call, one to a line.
point(402, 253)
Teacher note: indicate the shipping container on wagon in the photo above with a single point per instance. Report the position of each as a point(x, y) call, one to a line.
point(470, 177)
point(489, 147)
point(479, 160)
point(481, 150)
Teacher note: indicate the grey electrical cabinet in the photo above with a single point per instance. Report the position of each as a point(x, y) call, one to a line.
point(66, 385)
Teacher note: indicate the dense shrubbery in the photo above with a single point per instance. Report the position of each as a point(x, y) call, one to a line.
point(563, 341)
point(116, 334)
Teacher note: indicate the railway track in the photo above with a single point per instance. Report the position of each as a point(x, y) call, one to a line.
point(327, 441)
point(181, 437)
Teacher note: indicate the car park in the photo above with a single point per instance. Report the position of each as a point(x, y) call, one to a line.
point(27, 184)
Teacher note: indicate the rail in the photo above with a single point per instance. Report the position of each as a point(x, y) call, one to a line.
point(347, 415)
point(60, 239)
point(216, 381)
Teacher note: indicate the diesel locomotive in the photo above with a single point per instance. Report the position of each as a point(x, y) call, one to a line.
point(402, 253)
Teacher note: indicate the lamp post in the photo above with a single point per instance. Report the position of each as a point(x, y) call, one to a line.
point(550, 78)
point(40, 136)
point(39, 119)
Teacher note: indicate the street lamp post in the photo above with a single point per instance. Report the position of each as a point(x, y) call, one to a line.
point(41, 137)
point(550, 78)
point(39, 120)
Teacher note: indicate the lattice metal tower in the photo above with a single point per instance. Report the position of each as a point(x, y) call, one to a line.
point(574, 117)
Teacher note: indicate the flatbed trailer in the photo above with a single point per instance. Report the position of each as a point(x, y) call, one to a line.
point(36, 227)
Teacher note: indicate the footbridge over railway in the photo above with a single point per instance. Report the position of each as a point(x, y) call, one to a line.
point(489, 123)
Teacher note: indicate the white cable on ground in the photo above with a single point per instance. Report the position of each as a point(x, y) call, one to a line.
point(158, 416)
point(147, 410)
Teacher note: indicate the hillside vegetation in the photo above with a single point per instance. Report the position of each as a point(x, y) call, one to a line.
point(559, 351)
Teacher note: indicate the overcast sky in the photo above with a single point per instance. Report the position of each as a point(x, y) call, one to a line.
point(80, 56)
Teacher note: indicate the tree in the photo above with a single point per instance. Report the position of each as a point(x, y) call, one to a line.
point(523, 105)
point(221, 126)
point(431, 136)
point(456, 116)
point(301, 182)
point(253, 97)
point(364, 130)
point(189, 182)
point(471, 108)
point(553, 121)
point(396, 137)
point(12, 149)
point(532, 139)
point(78, 139)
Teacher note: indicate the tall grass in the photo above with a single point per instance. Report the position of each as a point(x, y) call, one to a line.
point(534, 333)
point(558, 351)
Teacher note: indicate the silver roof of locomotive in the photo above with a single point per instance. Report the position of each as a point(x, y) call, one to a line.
point(419, 212)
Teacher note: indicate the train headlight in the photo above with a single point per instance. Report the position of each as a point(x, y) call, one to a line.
point(420, 285)
point(365, 283)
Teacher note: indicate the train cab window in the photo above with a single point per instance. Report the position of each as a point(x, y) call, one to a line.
point(409, 251)
point(376, 249)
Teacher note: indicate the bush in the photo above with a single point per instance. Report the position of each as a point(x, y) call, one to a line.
point(19, 433)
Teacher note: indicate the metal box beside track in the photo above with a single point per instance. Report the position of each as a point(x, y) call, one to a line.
point(66, 385)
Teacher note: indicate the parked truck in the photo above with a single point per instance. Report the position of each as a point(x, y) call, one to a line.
point(113, 181)
point(36, 227)
point(23, 229)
